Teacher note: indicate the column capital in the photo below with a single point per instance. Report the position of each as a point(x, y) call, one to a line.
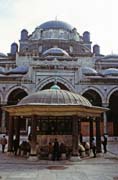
point(105, 105)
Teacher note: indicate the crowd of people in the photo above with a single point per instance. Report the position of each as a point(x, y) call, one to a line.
point(55, 149)
point(84, 148)
point(18, 149)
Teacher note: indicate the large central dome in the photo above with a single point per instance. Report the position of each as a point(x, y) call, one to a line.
point(56, 25)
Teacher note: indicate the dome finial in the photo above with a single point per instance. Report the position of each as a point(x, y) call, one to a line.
point(55, 86)
point(55, 18)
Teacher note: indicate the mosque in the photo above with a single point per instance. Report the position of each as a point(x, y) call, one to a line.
point(55, 53)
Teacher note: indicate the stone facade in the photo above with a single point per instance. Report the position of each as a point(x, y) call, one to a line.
point(56, 53)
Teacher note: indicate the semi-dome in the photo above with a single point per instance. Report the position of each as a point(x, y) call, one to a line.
point(56, 97)
point(2, 54)
point(110, 56)
point(56, 25)
point(55, 52)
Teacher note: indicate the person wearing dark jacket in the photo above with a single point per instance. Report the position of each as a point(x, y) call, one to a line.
point(55, 150)
point(105, 143)
point(15, 146)
point(93, 147)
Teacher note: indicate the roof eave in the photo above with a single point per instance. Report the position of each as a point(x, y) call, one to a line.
point(54, 110)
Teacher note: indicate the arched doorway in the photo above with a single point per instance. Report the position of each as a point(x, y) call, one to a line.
point(93, 97)
point(95, 100)
point(113, 113)
point(14, 97)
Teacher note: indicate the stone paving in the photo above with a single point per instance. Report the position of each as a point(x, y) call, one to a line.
point(103, 167)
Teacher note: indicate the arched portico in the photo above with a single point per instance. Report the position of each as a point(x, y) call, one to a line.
point(17, 90)
point(14, 95)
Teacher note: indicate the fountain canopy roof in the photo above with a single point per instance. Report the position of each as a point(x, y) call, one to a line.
point(54, 102)
point(55, 96)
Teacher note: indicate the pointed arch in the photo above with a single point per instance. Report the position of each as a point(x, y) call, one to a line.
point(110, 93)
point(60, 81)
point(93, 96)
point(113, 113)
point(15, 94)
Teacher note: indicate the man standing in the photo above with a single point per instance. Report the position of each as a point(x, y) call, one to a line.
point(16, 146)
point(105, 143)
point(94, 147)
point(55, 150)
point(3, 143)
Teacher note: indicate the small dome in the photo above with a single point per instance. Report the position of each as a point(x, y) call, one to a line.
point(87, 71)
point(55, 52)
point(2, 70)
point(56, 25)
point(56, 97)
point(111, 56)
point(110, 71)
point(18, 70)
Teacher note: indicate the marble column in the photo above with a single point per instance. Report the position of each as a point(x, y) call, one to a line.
point(91, 130)
point(17, 129)
point(98, 135)
point(33, 153)
point(3, 118)
point(105, 119)
point(79, 131)
point(10, 134)
point(75, 134)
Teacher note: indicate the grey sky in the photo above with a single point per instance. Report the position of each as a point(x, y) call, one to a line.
point(97, 16)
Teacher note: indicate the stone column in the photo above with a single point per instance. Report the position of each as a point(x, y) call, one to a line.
point(27, 124)
point(3, 127)
point(98, 135)
point(33, 154)
point(91, 130)
point(10, 134)
point(17, 129)
point(105, 119)
point(79, 131)
point(75, 134)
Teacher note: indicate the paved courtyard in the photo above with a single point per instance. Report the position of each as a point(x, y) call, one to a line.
point(103, 167)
